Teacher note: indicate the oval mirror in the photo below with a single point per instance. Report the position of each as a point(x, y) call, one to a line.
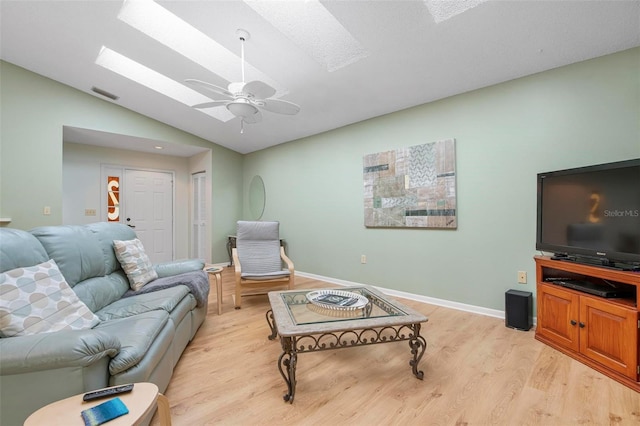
point(256, 197)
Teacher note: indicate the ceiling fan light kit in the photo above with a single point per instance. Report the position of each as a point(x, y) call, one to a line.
point(245, 100)
point(242, 108)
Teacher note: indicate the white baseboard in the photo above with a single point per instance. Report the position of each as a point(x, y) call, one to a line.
point(419, 298)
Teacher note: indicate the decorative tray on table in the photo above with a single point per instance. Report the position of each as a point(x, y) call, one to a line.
point(337, 299)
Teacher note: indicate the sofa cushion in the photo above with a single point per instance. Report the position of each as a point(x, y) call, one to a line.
point(99, 292)
point(165, 300)
point(37, 299)
point(135, 262)
point(19, 249)
point(136, 335)
point(75, 249)
point(105, 233)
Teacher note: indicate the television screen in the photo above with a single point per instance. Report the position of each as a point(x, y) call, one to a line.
point(591, 212)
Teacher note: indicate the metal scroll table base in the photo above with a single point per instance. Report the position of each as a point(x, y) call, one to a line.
point(293, 345)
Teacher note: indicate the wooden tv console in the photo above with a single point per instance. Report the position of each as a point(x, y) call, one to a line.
point(602, 333)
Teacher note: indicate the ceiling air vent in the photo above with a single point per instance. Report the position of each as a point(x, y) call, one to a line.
point(104, 93)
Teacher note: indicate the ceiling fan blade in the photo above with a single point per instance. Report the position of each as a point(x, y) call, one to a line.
point(259, 89)
point(210, 87)
point(279, 106)
point(210, 104)
point(255, 118)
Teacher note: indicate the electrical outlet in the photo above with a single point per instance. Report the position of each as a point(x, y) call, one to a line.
point(89, 212)
point(363, 258)
point(46, 210)
point(522, 277)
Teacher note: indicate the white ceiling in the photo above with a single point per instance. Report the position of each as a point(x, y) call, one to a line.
point(410, 57)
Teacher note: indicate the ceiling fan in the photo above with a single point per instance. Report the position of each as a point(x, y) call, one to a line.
point(245, 100)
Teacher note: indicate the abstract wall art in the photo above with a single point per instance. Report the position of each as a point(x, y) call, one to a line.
point(412, 187)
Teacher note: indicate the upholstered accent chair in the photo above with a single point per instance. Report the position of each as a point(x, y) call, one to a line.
point(259, 259)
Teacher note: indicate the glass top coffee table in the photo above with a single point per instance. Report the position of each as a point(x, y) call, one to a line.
point(332, 319)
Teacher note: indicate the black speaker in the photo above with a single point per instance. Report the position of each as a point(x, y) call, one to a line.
point(517, 313)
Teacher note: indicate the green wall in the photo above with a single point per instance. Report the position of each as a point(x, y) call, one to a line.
point(33, 111)
point(577, 115)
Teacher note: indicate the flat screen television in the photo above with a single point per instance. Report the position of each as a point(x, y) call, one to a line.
point(591, 214)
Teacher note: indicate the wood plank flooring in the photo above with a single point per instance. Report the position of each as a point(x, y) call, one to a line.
point(476, 372)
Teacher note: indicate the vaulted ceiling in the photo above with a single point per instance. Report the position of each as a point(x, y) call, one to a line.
point(341, 61)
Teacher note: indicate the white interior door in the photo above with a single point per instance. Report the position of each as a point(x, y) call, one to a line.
point(148, 209)
point(199, 219)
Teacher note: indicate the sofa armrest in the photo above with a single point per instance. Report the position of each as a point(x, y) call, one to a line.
point(47, 351)
point(176, 267)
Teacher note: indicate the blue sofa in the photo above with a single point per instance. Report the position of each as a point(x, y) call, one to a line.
point(140, 335)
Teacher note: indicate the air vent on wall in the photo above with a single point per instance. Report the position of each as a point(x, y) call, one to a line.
point(104, 93)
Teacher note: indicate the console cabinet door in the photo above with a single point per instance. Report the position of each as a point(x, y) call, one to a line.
point(609, 335)
point(558, 315)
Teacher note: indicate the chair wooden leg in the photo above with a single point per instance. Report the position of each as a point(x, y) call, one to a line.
point(238, 300)
point(219, 292)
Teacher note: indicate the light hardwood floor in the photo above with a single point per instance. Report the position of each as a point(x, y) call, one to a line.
point(476, 372)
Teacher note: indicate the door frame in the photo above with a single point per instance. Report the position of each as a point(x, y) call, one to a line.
point(193, 208)
point(119, 170)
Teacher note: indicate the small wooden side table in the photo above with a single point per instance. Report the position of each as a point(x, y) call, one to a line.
point(216, 272)
point(141, 402)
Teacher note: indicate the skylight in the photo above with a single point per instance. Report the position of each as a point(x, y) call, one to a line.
point(158, 23)
point(145, 76)
point(314, 29)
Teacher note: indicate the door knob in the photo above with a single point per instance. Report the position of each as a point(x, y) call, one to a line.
point(573, 322)
point(582, 325)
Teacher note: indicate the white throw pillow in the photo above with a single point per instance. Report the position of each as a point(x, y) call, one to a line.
point(37, 299)
point(135, 262)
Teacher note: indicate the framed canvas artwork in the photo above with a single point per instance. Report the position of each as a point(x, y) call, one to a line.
point(412, 187)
